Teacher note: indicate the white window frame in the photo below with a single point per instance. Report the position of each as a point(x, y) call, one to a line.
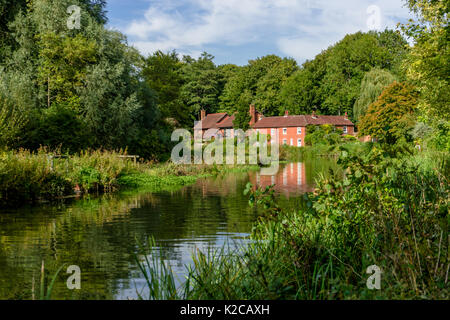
point(284, 142)
point(345, 129)
point(284, 131)
point(299, 142)
point(299, 130)
point(292, 142)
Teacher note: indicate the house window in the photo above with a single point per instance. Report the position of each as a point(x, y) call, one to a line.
point(284, 141)
point(284, 130)
point(272, 132)
point(345, 129)
point(299, 142)
point(299, 130)
point(292, 142)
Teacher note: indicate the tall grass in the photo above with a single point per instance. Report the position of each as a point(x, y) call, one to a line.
point(45, 293)
point(26, 176)
point(31, 177)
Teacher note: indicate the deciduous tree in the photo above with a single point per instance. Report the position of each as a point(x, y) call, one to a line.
point(391, 117)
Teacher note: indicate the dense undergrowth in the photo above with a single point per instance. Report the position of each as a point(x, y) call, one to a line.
point(388, 211)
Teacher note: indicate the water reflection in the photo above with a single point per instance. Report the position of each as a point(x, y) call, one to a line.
point(289, 180)
point(102, 234)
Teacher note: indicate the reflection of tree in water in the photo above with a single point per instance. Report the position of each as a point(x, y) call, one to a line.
point(101, 234)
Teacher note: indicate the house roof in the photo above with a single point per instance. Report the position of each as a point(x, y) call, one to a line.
point(281, 122)
point(334, 120)
point(227, 122)
point(223, 120)
point(301, 121)
point(210, 121)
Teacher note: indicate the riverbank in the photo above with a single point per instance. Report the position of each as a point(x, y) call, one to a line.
point(35, 177)
point(388, 213)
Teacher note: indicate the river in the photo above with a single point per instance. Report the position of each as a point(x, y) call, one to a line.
point(102, 234)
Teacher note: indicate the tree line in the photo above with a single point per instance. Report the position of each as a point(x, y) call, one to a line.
point(87, 88)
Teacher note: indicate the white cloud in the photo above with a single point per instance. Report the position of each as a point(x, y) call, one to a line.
point(297, 28)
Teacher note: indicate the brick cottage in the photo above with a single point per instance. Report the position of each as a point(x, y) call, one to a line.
point(287, 129)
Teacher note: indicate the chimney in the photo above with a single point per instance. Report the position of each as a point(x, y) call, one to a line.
point(286, 113)
point(203, 114)
point(253, 114)
point(346, 116)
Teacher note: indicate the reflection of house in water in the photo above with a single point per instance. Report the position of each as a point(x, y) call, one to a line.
point(290, 179)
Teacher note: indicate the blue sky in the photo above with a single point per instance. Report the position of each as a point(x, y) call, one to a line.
point(235, 31)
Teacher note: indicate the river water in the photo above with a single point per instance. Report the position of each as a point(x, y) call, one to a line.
point(102, 234)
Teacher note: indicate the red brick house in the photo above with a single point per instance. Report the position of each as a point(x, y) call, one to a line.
point(285, 129)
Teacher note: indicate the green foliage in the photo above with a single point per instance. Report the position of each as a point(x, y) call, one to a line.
point(331, 83)
point(427, 64)
point(201, 85)
point(162, 72)
point(373, 84)
point(261, 80)
point(440, 139)
point(28, 177)
point(62, 64)
point(391, 117)
point(242, 116)
point(264, 197)
point(60, 127)
point(91, 70)
point(11, 122)
point(8, 10)
point(324, 134)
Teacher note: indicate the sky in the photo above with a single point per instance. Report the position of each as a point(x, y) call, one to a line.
point(235, 31)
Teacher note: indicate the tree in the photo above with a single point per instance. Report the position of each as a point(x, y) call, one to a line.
point(242, 116)
point(428, 63)
point(262, 78)
point(391, 117)
point(201, 87)
point(60, 127)
point(63, 65)
point(332, 80)
point(267, 96)
point(298, 93)
point(372, 85)
point(91, 71)
point(162, 73)
point(8, 11)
